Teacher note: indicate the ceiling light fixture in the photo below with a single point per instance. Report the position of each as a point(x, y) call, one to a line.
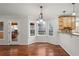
point(41, 20)
point(73, 13)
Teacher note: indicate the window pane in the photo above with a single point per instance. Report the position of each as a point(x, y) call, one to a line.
point(1, 26)
point(50, 29)
point(77, 25)
point(1, 30)
point(32, 29)
point(41, 29)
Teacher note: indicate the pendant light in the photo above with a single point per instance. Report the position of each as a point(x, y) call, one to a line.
point(40, 19)
point(73, 13)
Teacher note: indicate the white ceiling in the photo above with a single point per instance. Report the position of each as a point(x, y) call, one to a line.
point(50, 10)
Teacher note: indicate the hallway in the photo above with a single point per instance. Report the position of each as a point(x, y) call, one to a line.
point(35, 49)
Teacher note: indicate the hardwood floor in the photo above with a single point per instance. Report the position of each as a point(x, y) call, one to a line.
point(46, 49)
point(35, 49)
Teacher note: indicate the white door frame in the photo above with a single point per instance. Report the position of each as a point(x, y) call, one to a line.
point(10, 33)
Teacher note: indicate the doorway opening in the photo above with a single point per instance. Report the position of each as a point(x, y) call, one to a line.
point(14, 32)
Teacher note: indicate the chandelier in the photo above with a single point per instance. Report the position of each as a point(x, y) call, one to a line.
point(40, 19)
point(73, 13)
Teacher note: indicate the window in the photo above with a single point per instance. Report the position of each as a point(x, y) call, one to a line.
point(77, 25)
point(76, 30)
point(32, 29)
point(50, 29)
point(41, 28)
point(1, 30)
